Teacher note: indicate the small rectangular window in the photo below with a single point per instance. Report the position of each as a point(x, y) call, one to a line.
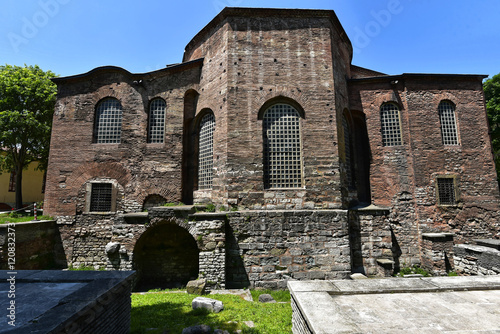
point(446, 191)
point(101, 197)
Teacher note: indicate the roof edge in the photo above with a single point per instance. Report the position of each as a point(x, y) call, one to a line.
point(419, 75)
point(103, 69)
point(259, 11)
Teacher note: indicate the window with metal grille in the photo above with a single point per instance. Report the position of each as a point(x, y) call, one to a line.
point(206, 152)
point(156, 131)
point(391, 125)
point(108, 122)
point(100, 197)
point(448, 123)
point(282, 149)
point(347, 150)
point(446, 191)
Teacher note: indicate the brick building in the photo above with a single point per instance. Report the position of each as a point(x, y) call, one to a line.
point(318, 167)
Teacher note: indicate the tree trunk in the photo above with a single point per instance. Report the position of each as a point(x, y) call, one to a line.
point(19, 187)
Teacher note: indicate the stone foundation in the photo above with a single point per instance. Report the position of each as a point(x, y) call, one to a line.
point(481, 259)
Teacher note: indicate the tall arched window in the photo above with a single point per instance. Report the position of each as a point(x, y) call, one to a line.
point(108, 122)
point(391, 124)
point(206, 152)
point(448, 123)
point(282, 149)
point(156, 124)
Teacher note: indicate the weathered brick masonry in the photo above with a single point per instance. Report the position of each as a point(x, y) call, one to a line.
point(244, 65)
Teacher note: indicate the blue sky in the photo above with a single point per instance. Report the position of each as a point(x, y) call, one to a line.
point(392, 36)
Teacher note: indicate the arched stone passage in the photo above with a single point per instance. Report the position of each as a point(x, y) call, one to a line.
point(165, 256)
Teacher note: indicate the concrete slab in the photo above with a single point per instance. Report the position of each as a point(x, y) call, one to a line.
point(396, 305)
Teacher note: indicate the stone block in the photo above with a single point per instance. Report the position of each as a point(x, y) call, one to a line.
point(207, 303)
point(196, 287)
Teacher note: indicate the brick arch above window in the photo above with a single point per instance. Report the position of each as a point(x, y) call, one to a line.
point(281, 100)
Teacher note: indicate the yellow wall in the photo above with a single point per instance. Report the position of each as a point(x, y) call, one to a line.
point(32, 186)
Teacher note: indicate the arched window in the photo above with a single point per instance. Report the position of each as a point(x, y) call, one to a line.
point(206, 152)
point(108, 122)
point(282, 149)
point(391, 125)
point(448, 123)
point(156, 124)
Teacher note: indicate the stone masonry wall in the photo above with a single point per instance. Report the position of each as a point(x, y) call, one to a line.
point(476, 260)
point(88, 238)
point(266, 248)
point(38, 246)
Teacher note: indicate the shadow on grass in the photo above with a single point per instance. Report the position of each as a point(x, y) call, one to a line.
point(173, 317)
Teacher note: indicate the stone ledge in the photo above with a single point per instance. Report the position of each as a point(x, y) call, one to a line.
point(136, 217)
point(438, 236)
point(54, 300)
point(478, 249)
point(491, 243)
point(385, 262)
point(399, 285)
point(372, 209)
point(327, 307)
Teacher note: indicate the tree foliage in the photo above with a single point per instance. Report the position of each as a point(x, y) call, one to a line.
point(27, 99)
point(492, 95)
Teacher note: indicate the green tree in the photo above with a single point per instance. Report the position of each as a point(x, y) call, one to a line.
point(492, 95)
point(27, 99)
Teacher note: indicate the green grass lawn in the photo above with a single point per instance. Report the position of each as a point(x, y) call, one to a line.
point(161, 312)
point(6, 218)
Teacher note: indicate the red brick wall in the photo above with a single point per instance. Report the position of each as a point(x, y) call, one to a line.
point(404, 176)
point(140, 168)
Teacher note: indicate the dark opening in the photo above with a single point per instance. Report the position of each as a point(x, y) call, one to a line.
point(362, 157)
point(188, 150)
point(165, 256)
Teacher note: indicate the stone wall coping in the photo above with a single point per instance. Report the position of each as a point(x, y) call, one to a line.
point(32, 222)
point(397, 285)
point(90, 285)
point(135, 215)
point(316, 300)
point(209, 215)
point(491, 243)
point(371, 208)
point(299, 211)
point(433, 236)
point(478, 249)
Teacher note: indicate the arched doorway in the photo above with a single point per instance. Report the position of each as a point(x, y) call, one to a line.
point(165, 256)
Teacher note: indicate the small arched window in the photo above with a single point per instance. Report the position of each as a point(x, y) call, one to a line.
point(206, 152)
point(282, 147)
point(108, 122)
point(391, 124)
point(156, 124)
point(448, 123)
